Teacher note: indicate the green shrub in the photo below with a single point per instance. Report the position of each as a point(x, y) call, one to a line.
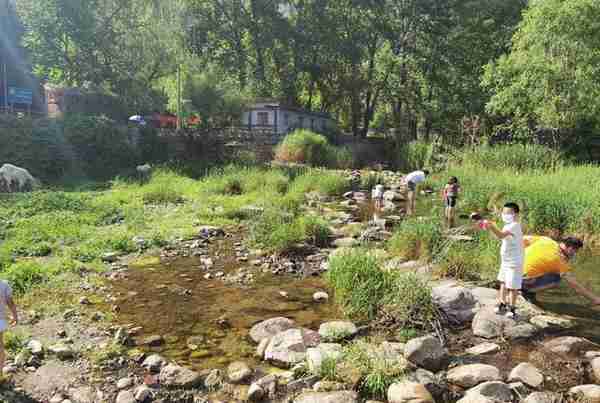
point(358, 283)
point(315, 230)
point(24, 275)
point(101, 144)
point(475, 260)
point(417, 238)
point(276, 231)
point(376, 372)
point(14, 341)
point(320, 181)
point(305, 147)
point(369, 180)
point(518, 157)
point(409, 302)
point(342, 158)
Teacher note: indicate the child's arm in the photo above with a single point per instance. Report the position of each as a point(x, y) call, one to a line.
point(13, 309)
point(444, 190)
point(496, 231)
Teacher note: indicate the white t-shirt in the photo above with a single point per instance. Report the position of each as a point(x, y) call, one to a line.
point(5, 294)
point(415, 177)
point(377, 193)
point(512, 249)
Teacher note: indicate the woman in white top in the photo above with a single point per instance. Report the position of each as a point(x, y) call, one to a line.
point(412, 180)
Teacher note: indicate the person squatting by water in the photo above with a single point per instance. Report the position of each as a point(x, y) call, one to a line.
point(547, 264)
point(512, 254)
point(6, 301)
point(412, 180)
point(449, 197)
point(377, 196)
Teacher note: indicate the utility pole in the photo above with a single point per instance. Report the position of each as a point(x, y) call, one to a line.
point(5, 86)
point(178, 96)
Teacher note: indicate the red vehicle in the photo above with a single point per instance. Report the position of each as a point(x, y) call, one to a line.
point(168, 120)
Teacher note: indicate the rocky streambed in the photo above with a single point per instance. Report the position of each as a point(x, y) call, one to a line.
point(209, 319)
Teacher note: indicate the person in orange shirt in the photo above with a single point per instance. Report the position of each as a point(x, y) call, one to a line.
point(547, 263)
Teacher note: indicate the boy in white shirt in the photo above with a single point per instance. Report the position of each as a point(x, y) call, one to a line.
point(412, 180)
point(6, 301)
point(512, 256)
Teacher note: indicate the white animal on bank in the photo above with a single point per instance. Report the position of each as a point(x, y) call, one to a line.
point(15, 179)
point(144, 171)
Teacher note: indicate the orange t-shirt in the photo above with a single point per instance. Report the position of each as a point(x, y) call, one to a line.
point(542, 256)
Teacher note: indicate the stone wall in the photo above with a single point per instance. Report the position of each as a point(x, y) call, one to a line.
point(218, 145)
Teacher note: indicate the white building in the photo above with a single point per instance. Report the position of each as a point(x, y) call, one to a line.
point(284, 119)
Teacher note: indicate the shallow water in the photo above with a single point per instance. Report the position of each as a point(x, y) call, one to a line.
point(565, 301)
point(160, 309)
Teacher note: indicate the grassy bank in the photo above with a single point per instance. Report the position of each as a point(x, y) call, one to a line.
point(46, 233)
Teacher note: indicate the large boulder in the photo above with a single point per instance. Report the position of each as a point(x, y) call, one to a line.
point(270, 327)
point(289, 347)
point(327, 397)
point(337, 330)
point(542, 397)
point(409, 392)
point(154, 363)
point(590, 392)
point(455, 301)
point(498, 391)
point(15, 179)
point(528, 374)
point(426, 352)
point(488, 324)
point(520, 332)
point(179, 377)
point(324, 351)
point(567, 345)
point(551, 323)
point(471, 375)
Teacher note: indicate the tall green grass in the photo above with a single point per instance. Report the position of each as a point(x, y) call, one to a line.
point(417, 238)
point(306, 147)
point(517, 157)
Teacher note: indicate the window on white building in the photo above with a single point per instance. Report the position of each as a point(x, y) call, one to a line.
point(262, 118)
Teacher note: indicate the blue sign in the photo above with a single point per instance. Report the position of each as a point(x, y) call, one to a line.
point(20, 96)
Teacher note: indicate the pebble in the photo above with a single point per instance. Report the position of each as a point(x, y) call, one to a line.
point(320, 296)
point(483, 348)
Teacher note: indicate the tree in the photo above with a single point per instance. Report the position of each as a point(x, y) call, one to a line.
point(551, 77)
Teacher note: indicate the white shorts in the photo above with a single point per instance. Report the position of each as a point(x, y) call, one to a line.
point(3, 325)
point(511, 276)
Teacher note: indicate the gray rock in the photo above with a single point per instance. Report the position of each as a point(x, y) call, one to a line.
point(214, 380)
point(125, 396)
point(457, 302)
point(262, 346)
point(61, 351)
point(542, 397)
point(345, 243)
point(550, 323)
point(124, 383)
point(524, 331)
point(327, 397)
point(408, 392)
point(256, 392)
point(269, 385)
point(320, 296)
point(483, 348)
point(471, 375)
point(324, 351)
point(238, 372)
point(179, 377)
point(393, 196)
point(566, 345)
point(426, 352)
point(595, 365)
point(110, 257)
point(142, 393)
point(485, 297)
point(84, 394)
point(590, 355)
point(337, 330)
point(35, 347)
point(154, 363)
point(270, 327)
point(488, 324)
point(289, 347)
point(590, 392)
point(528, 374)
point(493, 390)
point(476, 398)
point(153, 341)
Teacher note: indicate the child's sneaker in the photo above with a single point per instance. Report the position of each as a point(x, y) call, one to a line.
point(511, 313)
point(500, 308)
